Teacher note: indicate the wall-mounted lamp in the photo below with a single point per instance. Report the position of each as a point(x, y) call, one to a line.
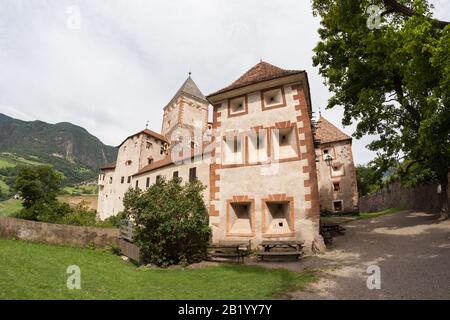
point(328, 159)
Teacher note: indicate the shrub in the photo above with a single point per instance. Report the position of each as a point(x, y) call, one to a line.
point(117, 220)
point(52, 212)
point(171, 222)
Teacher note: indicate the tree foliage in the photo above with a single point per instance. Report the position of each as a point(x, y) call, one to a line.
point(171, 222)
point(369, 179)
point(37, 185)
point(394, 80)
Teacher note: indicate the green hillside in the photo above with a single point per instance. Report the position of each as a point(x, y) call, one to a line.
point(70, 149)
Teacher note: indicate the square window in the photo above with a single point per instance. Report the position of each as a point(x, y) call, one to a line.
point(240, 217)
point(273, 98)
point(237, 106)
point(285, 143)
point(336, 186)
point(337, 170)
point(175, 174)
point(338, 206)
point(278, 217)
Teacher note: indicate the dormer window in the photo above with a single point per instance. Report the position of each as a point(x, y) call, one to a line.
point(237, 106)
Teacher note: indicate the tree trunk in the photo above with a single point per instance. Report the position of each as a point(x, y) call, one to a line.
point(444, 197)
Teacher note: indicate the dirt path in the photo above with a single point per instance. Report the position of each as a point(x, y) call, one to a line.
point(412, 250)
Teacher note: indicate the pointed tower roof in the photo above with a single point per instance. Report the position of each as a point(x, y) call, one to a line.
point(326, 132)
point(190, 89)
point(262, 71)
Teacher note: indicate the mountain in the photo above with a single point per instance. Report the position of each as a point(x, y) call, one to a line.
point(69, 148)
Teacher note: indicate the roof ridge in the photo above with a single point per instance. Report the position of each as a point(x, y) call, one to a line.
point(262, 71)
point(189, 87)
point(328, 132)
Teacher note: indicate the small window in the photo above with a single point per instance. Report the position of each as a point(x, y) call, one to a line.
point(150, 160)
point(137, 184)
point(192, 174)
point(128, 162)
point(337, 206)
point(237, 106)
point(161, 151)
point(147, 183)
point(158, 177)
point(273, 99)
point(175, 174)
point(149, 145)
point(337, 170)
point(110, 180)
point(326, 151)
point(336, 186)
point(122, 179)
point(129, 179)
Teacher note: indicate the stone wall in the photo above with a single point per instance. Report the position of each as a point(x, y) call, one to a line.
point(57, 233)
point(424, 198)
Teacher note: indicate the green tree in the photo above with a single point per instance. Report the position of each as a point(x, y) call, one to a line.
point(393, 80)
point(369, 179)
point(171, 222)
point(37, 185)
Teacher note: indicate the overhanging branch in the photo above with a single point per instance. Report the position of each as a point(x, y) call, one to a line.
point(393, 6)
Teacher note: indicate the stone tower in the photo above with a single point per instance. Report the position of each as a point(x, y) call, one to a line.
point(185, 111)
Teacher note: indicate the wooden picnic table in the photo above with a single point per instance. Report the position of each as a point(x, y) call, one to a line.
point(268, 245)
point(289, 248)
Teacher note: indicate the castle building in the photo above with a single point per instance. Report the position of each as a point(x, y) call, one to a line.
point(257, 158)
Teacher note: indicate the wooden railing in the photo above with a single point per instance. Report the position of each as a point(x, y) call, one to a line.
point(126, 245)
point(126, 231)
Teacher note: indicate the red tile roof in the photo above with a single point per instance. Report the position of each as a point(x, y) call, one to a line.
point(326, 132)
point(108, 166)
point(263, 71)
point(167, 161)
point(147, 132)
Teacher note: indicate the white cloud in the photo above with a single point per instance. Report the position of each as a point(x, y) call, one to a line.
point(129, 57)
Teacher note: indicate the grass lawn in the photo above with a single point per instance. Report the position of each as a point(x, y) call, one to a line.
point(369, 215)
point(38, 271)
point(3, 186)
point(9, 207)
point(361, 216)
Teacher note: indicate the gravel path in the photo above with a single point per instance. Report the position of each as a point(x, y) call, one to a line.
point(412, 250)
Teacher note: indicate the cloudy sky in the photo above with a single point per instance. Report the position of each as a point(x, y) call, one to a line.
point(119, 64)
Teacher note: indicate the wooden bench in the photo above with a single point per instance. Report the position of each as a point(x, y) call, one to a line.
point(229, 249)
point(280, 249)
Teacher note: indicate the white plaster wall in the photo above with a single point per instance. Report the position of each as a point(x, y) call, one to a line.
point(183, 173)
point(342, 153)
point(255, 182)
